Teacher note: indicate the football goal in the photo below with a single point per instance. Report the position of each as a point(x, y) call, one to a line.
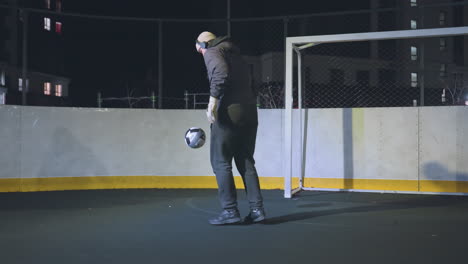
point(393, 69)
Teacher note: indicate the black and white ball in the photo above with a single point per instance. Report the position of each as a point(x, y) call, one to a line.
point(195, 137)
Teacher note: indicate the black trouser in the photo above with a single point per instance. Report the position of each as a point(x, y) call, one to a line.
point(233, 135)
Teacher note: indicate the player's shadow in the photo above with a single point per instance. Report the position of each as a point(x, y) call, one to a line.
point(69, 156)
point(433, 201)
point(434, 172)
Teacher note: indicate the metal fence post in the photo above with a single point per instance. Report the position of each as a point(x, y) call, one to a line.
point(24, 16)
point(422, 63)
point(194, 101)
point(285, 35)
point(186, 99)
point(153, 99)
point(421, 75)
point(99, 99)
point(160, 64)
point(228, 20)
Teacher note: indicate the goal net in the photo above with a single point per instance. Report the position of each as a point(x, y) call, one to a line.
point(342, 73)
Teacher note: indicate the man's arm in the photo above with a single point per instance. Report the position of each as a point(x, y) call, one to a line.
point(218, 72)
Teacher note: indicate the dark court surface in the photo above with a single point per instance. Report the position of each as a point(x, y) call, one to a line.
point(170, 226)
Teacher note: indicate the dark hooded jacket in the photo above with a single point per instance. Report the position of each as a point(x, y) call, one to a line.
point(228, 74)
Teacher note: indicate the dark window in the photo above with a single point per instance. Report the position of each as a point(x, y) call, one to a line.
point(443, 71)
point(442, 44)
point(442, 18)
point(459, 50)
point(387, 3)
point(387, 76)
point(387, 21)
point(387, 49)
point(307, 75)
point(336, 76)
point(362, 77)
point(58, 5)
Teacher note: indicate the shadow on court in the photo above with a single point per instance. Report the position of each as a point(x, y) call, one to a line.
point(420, 202)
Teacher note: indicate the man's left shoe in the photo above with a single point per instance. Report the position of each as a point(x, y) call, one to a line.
point(256, 215)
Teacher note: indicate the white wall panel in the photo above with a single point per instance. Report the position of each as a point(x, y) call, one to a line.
point(444, 141)
point(10, 141)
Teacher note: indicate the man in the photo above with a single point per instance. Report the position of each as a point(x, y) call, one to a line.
point(232, 113)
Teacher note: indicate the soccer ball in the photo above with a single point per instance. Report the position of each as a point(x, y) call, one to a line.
point(195, 137)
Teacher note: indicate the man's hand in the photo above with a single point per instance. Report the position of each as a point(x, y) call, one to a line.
point(212, 111)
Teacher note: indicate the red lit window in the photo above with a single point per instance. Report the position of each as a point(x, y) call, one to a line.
point(58, 27)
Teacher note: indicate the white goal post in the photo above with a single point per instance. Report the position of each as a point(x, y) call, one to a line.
point(294, 45)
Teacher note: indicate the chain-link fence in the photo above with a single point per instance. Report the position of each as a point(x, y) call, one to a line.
point(82, 60)
point(387, 73)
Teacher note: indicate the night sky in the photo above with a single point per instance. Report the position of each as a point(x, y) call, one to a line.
point(209, 8)
point(118, 57)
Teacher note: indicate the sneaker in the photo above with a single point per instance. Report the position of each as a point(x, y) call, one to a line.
point(226, 217)
point(255, 216)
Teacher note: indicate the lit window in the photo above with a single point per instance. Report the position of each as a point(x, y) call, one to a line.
point(414, 24)
point(2, 78)
point(47, 23)
point(414, 3)
point(443, 70)
point(58, 90)
point(442, 18)
point(414, 53)
point(20, 84)
point(47, 88)
point(58, 27)
point(47, 4)
point(443, 44)
point(414, 79)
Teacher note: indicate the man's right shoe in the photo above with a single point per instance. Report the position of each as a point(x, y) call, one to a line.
point(228, 216)
point(256, 215)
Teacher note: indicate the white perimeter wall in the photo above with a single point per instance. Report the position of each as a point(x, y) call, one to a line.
point(363, 143)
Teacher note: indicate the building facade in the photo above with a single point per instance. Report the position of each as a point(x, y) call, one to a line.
point(45, 82)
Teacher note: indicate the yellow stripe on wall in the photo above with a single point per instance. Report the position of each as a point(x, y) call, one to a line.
point(363, 184)
point(209, 182)
point(444, 186)
point(10, 185)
